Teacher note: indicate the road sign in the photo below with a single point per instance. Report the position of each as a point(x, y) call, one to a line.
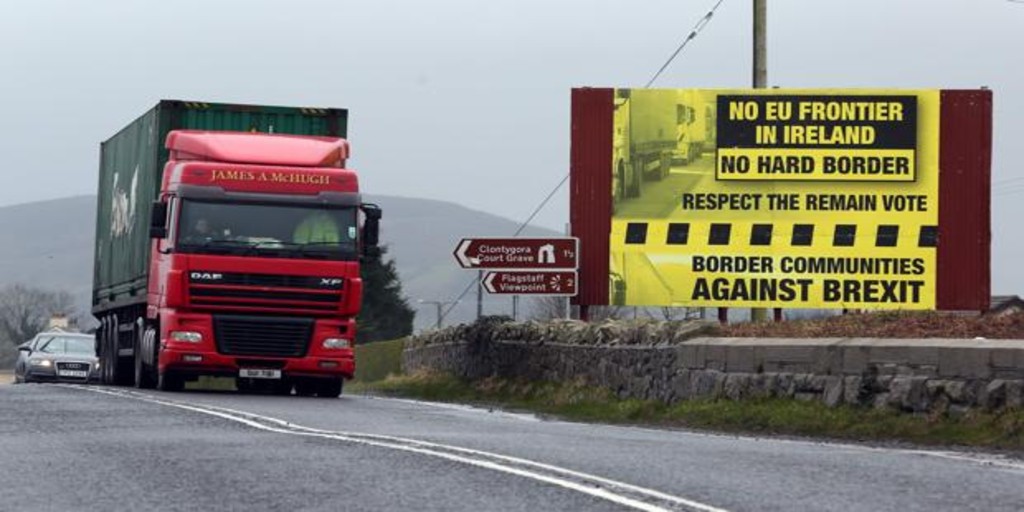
point(518, 253)
point(539, 282)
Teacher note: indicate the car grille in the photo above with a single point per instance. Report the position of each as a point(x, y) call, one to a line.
point(262, 336)
point(78, 367)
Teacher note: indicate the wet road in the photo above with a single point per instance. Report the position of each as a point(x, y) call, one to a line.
point(67, 448)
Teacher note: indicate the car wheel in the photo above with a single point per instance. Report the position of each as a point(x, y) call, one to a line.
point(330, 388)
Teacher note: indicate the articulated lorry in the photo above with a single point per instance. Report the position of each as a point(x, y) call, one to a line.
point(645, 139)
point(228, 242)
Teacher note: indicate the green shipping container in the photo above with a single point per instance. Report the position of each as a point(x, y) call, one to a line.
point(131, 164)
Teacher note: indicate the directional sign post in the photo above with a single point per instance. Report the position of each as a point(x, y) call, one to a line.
point(523, 266)
point(518, 253)
point(540, 282)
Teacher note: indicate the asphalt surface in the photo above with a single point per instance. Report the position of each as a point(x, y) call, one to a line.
point(66, 448)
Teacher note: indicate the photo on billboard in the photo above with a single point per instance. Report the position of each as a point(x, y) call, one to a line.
point(823, 198)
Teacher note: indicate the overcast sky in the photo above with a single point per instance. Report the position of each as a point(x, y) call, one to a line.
point(468, 101)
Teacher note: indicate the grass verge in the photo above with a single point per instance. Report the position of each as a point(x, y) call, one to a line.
point(574, 401)
point(375, 361)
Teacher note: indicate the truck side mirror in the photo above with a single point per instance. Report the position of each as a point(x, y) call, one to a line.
point(371, 226)
point(158, 220)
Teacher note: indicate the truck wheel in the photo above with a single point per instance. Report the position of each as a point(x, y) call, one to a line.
point(282, 387)
point(167, 381)
point(665, 166)
point(620, 184)
point(305, 387)
point(244, 386)
point(108, 362)
point(329, 388)
point(633, 187)
point(120, 368)
point(144, 378)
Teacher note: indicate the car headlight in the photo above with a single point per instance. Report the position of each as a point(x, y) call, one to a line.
point(45, 363)
point(186, 336)
point(336, 343)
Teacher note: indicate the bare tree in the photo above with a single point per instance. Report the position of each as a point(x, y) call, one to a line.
point(674, 313)
point(25, 311)
point(548, 308)
point(551, 308)
point(599, 313)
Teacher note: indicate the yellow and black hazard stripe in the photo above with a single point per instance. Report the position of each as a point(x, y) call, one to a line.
point(313, 111)
point(196, 105)
point(768, 234)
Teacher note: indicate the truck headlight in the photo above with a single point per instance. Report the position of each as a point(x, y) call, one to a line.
point(186, 336)
point(336, 343)
point(45, 363)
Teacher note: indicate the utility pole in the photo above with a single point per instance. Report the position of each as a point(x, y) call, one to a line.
point(479, 294)
point(515, 308)
point(439, 304)
point(760, 81)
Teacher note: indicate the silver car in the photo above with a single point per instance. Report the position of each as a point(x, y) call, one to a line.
point(58, 357)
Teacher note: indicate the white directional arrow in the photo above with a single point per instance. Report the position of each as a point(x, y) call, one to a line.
point(489, 282)
point(460, 254)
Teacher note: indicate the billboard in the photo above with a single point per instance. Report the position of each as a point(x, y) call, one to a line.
point(825, 198)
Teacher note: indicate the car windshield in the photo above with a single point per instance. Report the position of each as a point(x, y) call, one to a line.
point(267, 229)
point(68, 345)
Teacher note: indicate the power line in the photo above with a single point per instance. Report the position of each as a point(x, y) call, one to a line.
point(522, 226)
point(701, 23)
point(439, 304)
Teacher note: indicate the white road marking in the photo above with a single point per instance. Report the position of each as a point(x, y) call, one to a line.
point(979, 458)
point(628, 495)
point(458, 407)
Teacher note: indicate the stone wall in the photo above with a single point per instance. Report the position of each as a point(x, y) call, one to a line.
point(907, 374)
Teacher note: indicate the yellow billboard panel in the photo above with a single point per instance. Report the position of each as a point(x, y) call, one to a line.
point(775, 198)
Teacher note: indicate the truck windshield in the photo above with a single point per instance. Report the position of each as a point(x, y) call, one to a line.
point(267, 229)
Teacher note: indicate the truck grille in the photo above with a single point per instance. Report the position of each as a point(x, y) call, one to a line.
point(261, 292)
point(246, 279)
point(262, 336)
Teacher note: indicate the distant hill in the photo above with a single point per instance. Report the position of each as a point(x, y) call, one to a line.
point(49, 244)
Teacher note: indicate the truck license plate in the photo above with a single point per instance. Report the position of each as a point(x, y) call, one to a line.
point(259, 373)
point(72, 373)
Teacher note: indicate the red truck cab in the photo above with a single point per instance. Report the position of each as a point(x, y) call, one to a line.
point(254, 264)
